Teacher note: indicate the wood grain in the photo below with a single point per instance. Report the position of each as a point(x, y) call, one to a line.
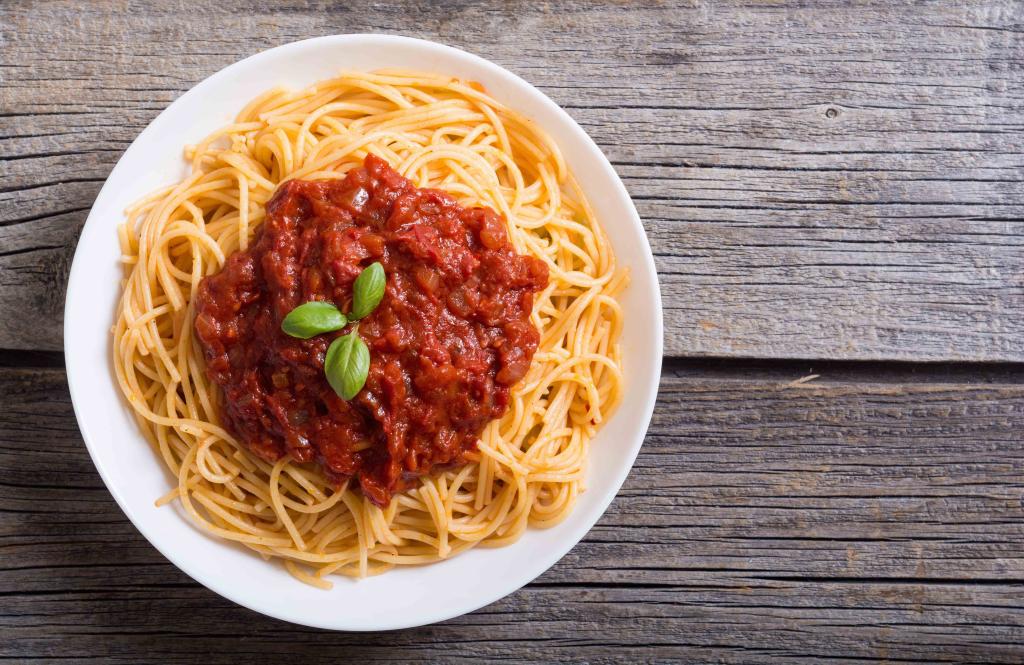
point(816, 180)
point(866, 513)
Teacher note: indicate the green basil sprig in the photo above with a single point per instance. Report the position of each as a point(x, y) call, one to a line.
point(347, 362)
point(313, 318)
point(367, 290)
point(346, 365)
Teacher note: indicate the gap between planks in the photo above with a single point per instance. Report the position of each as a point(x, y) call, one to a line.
point(792, 373)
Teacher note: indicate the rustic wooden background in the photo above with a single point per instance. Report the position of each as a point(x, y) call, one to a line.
point(828, 189)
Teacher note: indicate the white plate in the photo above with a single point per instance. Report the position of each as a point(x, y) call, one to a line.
point(136, 477)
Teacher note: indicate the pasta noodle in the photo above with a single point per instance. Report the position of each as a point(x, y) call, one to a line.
point(438, 132)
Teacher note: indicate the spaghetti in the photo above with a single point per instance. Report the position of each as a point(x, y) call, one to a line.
point(439, 133)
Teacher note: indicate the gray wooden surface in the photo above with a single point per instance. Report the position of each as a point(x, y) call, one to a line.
point(828, 187)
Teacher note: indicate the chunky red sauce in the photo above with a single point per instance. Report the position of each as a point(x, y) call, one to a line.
point(449, 339)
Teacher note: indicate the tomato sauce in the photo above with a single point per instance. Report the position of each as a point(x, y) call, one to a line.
point(447, 342)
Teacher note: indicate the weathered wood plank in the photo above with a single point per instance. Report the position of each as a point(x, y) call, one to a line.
point(816, 182)
point(867, 513)
point(125, 622)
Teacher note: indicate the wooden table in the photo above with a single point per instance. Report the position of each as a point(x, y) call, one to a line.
point(828, 190)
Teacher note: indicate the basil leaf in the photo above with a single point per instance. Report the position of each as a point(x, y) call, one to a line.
point(346, 365)
point(368, 290)
point(313, 318)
